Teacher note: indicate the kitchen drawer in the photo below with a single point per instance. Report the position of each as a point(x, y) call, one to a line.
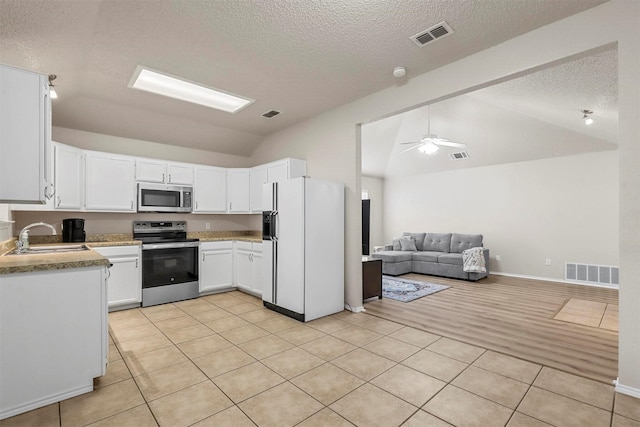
point(117, 251)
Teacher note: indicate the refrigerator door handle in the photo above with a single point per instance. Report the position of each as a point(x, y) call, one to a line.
point(274, 228)
point(274, 273)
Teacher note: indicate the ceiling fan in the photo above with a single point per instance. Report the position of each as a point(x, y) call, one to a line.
point(430, 143)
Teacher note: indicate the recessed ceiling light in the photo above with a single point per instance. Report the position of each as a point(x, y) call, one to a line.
point(174, 87)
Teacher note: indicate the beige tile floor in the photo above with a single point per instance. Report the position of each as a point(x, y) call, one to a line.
point(224, 360)
point(589, 313)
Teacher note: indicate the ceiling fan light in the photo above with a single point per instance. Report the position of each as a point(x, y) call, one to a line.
point(588, 121)
point(428, 148)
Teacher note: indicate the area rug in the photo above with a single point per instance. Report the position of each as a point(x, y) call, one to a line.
point(406, 290)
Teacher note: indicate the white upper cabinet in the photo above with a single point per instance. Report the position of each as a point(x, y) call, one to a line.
point(258, 178)
point(179, 173)
point(150, 170)
point(238, 190)
point(25, 137)
point(210, 190)
point(68, 177)
point(110, 182)
point(273, 172)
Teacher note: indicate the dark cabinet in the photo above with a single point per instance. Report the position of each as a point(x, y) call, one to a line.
point(371, 278)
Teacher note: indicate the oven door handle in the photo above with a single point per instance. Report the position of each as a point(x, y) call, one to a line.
point(172, 245)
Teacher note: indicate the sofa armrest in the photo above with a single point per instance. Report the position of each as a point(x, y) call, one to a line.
point(486, 259)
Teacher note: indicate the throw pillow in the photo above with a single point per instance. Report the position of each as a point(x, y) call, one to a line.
point(408, 244)
point(396, 244)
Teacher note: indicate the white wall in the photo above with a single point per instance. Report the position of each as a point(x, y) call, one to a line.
point(330, 141)
point(137, 147)
point(117, 223)
point(374, 186)
point(563, 209)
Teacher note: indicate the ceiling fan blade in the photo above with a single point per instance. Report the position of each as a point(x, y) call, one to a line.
point(447, 143)
point(410, 142)
point(409, 149)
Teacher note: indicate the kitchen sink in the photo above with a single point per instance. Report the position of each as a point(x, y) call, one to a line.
point(50, 250)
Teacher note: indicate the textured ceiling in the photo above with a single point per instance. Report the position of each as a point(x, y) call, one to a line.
point(535, 116)
point(301, 57)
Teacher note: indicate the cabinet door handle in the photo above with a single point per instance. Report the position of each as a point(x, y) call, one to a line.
point(49, 191)
point(136, 263)
point(169, 177)
point(162, 177)
point(196, 205)
point(230, 206)
point(58, 201)
point(132, 205)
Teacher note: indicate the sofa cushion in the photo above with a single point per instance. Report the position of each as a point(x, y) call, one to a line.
point(393, 256)
point(461, 242)
point(418, 238)
point(426, 256)
point(408, 244)
point(453, 259)
point(437, 242)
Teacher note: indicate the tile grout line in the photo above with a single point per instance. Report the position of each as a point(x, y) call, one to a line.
point(360, 325)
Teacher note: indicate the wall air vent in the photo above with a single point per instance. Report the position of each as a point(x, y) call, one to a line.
point(432, 34)
point(602, 275)
point(459, 156)
point(270, 114)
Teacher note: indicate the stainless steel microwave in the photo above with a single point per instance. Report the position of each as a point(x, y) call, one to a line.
point(164, 198)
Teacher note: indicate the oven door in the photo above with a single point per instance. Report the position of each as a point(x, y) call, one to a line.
point(169, 264)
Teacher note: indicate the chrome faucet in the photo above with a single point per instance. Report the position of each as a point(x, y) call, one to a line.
point(22, 243)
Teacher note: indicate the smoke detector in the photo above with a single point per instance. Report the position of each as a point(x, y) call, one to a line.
point(399, 72)
point(432, 34)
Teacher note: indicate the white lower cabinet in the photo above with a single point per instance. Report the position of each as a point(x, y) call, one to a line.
point(125, 279)
point(248, 266)
point(216, 266)
point(54, 338)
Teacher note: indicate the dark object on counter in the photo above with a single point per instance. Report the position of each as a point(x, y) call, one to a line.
point(73, 230)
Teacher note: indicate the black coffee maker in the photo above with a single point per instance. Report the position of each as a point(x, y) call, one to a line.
point(73, 230)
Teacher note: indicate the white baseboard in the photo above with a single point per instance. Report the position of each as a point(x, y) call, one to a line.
point(551, 279)
point(625, 389)
point(359, 309)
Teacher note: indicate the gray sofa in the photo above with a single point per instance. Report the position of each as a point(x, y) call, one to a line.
point(436, 254)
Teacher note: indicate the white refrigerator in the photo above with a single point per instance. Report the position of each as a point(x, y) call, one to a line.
point(303, 234)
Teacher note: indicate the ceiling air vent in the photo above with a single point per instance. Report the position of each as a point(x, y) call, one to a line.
point(459, 156)
point(270, 114)
point(432, 34)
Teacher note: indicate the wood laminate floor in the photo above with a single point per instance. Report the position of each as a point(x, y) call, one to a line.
point(513, 316)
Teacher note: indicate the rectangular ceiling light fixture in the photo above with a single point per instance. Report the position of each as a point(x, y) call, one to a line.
point(174, 87)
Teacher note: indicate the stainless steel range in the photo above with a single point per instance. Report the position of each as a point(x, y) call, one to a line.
point(169, 261)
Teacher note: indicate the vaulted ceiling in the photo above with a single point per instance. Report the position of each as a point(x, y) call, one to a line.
point(532, 117)
point(300, 57)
